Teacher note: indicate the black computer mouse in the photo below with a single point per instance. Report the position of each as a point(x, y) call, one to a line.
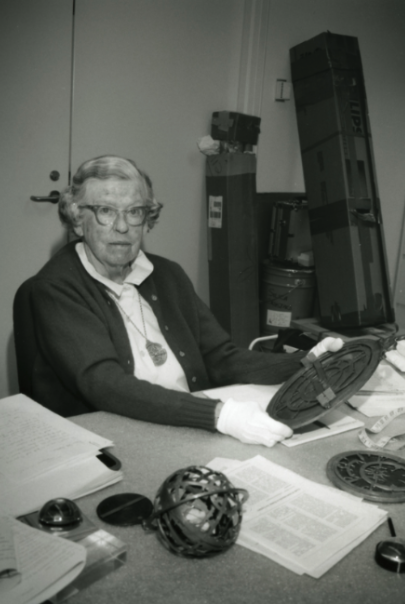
point(390, 554)
point(61, 513)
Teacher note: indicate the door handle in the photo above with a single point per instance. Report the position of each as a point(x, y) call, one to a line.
point(52, 198)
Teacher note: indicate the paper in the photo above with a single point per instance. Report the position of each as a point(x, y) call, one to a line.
point(43, 456)
point(375, 405)
point(334, 422)
point(382, 393)
point(50, 439)
point(298, 523)
point(9, 573)
point(46, 563)
point(71, 481)
point(385, 379)
point(396, 358)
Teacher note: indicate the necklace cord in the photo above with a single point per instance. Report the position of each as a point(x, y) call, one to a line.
point(156, 351)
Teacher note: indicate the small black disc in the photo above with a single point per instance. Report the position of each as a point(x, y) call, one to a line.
point(125, 509)
point(390, 554)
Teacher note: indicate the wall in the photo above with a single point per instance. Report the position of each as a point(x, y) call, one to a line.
point(379, 26)
point(148, 75)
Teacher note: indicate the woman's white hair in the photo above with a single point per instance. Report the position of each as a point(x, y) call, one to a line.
point(103, 168)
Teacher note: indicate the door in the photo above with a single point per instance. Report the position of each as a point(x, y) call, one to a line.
point(148, 75)
point(35, 70)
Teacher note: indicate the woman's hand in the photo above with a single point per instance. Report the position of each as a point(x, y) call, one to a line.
point(329, 344)
point(247, 422)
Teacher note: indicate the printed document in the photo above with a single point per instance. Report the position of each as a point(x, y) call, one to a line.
point(43, 456)
point(382, 393)
point(45, 563)
point(305, 526)
point(333, 422)
point(9, 573)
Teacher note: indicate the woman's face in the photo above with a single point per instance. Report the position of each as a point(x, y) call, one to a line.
point(111, 249)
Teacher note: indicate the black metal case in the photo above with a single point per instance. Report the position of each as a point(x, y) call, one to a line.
point(341, 184)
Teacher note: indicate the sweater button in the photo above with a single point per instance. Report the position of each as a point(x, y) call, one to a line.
point(194, 379)
point(182, 354)
point(166, 328)
point(154, 298)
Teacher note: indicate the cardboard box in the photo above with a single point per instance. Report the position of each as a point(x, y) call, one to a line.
point(239, 127)
point(341, 183)
point(290, 234)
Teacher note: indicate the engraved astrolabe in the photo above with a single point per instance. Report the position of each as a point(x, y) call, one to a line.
point(373, 475)
point(325, 382)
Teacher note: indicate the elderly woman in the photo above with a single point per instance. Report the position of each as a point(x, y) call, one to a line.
point(124, 331)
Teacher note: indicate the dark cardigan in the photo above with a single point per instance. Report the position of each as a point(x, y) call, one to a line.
point(85, 361)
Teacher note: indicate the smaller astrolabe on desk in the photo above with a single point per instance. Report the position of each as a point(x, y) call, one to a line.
point(372, 475)
point(325, 383)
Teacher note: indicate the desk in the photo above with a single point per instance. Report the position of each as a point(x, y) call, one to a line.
point(149, 453)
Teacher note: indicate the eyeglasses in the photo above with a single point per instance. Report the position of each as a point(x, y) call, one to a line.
point(106, 215)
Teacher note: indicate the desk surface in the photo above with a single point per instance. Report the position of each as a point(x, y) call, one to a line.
point(149, 453)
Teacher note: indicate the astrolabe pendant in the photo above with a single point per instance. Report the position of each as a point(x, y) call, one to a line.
point(156, 352)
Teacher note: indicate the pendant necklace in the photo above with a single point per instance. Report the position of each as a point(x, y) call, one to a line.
point(156, 351)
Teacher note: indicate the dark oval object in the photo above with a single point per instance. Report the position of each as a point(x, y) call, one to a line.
point(390, 554)
point(125, 509)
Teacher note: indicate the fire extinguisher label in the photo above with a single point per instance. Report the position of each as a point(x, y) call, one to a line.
point(278, 319)
point(215, 205)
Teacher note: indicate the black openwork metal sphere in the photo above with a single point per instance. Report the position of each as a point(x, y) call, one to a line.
point(198, 512)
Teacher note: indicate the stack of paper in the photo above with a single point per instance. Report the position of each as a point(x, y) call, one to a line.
point(334, 422)
point(43, 456)
point(305, 526)
point(382, 393)
point(35, 564)
point(397, 357)
point(9, 572)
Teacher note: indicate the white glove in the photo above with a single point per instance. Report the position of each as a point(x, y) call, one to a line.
point(250, 424)
point(329, 344)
